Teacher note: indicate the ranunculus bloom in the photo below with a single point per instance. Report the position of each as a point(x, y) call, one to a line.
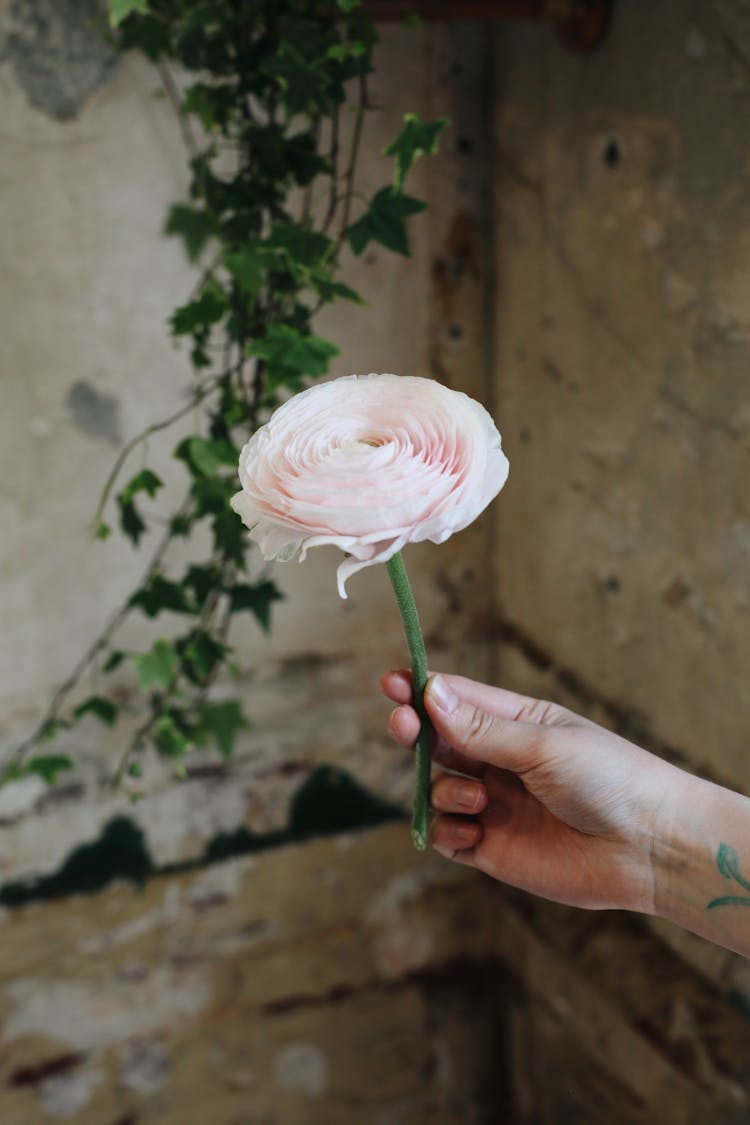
point(369, 464)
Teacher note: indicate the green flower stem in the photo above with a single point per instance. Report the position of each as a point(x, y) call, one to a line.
point(415, 641)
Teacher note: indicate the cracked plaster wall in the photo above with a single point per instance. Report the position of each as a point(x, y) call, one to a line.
point(622, 341)
point(347, 979)
point(623, 202)
point(57, 50)
point(88, 284)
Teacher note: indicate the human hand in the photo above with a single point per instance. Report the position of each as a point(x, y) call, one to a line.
point(548, 801)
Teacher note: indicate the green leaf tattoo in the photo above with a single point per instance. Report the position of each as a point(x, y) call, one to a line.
point(728, 864)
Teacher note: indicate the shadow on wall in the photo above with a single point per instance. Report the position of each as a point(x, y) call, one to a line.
point(329, 802)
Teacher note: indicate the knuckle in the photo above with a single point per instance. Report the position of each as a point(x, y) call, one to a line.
point(478, 727)
point(540, 711)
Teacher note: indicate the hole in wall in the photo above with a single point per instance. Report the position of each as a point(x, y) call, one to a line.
point(611, 154)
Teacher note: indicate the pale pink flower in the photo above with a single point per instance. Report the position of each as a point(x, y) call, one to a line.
point(368, 463)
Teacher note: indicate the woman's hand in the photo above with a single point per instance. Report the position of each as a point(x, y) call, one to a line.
point(546, 800)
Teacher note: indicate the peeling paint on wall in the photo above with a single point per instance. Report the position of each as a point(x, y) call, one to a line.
point(64, 1095)
point(328, 803)
point(303, 1068)
point(58, 53)
point(89, 1015)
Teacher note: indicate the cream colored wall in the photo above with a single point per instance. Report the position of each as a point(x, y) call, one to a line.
point(96, 1007)
point(623, 327)
point(88, 286)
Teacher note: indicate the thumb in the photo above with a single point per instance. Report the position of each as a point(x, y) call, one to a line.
point(503, 742)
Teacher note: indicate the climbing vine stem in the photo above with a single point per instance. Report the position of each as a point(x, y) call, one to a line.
point(270, 98)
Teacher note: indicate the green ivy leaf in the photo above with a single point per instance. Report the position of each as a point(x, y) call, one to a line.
point(348, 5)
point(302, 79)
point(257, 599)
point(385, 222)
point(160, 593)
point(103, 709)
point(417, 138)
point(197, 317)
point(212, 494)
point(220, 722)
point(203, 652)
point(45, 766)
point(145, 481)
point(119, 10)
point(148, 34)
point(339, 52)
point(248, 268)
point(290, 355)
point(193, 225)
point(301, 245)
point(180, 524)
point(301, 160)
point(131, 521)
point(329, 289)
point(158, 667)
point(229, 535)
point(212, 104)
point(103, 531)
point(202, 581)
point(171, 736)
point(204, 458)
point(114, 660)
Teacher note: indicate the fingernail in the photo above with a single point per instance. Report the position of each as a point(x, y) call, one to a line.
point(467, 795)
point(442, 694)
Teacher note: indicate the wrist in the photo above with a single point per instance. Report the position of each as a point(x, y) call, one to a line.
point(680, 853)
point(704, 823)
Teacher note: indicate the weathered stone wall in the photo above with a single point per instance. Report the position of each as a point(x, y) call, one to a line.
point(116, 1005)
point(622, 567)
point(582, 269)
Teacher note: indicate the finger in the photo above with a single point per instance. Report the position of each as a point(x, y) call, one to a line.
point(404, 728)
point(404, 725)
point(456, 838)
point(458, 795)
point(396, 685)
point(479, 734)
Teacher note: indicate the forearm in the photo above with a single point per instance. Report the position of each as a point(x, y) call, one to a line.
point(702, 863)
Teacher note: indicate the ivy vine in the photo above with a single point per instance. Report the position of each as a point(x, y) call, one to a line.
point(259, 88)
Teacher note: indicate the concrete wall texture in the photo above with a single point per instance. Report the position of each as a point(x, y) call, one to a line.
point(273, 951)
